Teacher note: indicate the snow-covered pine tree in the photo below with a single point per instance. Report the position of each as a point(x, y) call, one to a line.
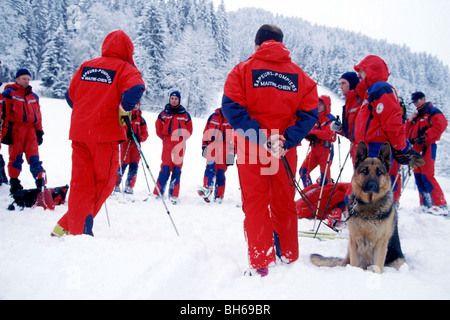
point(28, 58)
point(10, 42)
point(150, 50)
point(173, 20)
point(188, 13)
point(190, 68)
point(63, 67)
point(57, 67)
point(220, 30)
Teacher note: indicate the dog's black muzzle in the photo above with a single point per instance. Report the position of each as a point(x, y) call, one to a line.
point(371, 186)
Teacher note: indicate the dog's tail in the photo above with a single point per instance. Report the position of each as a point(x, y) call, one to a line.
point(322, 261)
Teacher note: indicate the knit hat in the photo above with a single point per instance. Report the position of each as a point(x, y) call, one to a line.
point(22, 72)
point(417, 96)
point(268, 32)
point(352, 78)
point(177, 94)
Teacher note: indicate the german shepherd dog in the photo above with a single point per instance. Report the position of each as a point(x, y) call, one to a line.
point(372, 216)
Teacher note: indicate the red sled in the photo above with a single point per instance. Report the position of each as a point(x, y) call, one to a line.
point(312, 194)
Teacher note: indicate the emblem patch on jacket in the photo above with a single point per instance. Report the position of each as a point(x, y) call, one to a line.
point(279, 80)
point(98, 75)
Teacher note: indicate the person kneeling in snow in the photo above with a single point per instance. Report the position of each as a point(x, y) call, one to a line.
point(219, 153)
point(129, 152)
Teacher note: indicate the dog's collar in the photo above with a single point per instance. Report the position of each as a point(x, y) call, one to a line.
point(381, 215)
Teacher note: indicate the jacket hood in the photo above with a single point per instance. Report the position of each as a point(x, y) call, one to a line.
point(117, 44)
point(376, 69)
point(272, 51)
point(327, 101)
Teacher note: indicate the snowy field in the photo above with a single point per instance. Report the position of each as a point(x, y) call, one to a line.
point(139, 255)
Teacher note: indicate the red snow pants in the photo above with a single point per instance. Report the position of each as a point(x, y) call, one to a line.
point(318, 156)
point(172, 162)
point(270, 213)
point(430, 191)
point(94, 169)
point(24, 141)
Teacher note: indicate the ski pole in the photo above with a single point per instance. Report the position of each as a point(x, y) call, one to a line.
point(332, 192)
point(107, 215)
point(297, 187)
point(146, 180)
point(127, 121)
point(324, 178)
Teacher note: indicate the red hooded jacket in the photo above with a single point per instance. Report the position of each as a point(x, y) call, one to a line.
point(379, 119)
point(322, 128)
point(270, 92)
point(99, 87)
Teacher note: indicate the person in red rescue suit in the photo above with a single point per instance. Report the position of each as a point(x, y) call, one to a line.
point(354, 91)
point(379, 120)
point(218, 149)
point(129, 153)
point(22, 130)
point(321, 139)
point(271, 104)
point(424, 128)
point(101, 92)
point(173, 127)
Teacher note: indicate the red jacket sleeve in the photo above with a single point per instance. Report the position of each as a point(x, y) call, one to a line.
point(159, 127)
point(438, 126)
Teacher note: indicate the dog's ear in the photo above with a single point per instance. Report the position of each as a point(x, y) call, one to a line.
point(385, 155)
point(361, 153)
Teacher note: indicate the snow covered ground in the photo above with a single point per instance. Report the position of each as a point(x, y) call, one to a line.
point(139, 256)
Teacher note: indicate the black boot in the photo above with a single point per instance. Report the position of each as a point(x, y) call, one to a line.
point(15, 185)
point(40, 183)
point(3, 177)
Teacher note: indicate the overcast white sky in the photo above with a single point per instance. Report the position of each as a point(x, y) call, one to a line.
point(424, 26)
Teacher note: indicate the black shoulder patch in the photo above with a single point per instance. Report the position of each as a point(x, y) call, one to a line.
point(98, 75)
point(282, 81)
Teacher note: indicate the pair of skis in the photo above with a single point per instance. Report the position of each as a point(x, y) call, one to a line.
point(321, 235)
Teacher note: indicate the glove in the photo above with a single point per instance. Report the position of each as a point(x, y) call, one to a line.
point(39, 134)
point(123, 113)
point(419, 140)
point(275, 144)
point(409, 156)
point(336, 126)
point(7, 135)
point(130, 135)
point(311, 137)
